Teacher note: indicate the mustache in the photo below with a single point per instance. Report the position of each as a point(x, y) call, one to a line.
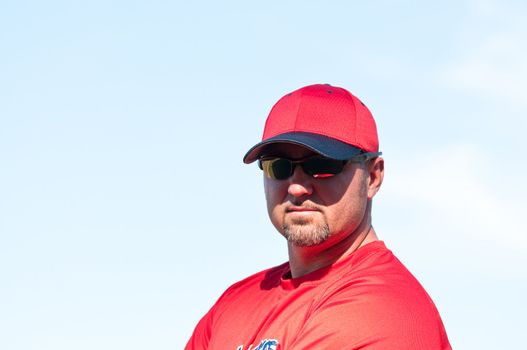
point(303, 204)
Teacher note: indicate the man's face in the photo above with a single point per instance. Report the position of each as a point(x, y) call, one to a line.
point(310, 211)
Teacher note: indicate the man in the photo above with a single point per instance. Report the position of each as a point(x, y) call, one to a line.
point(341, 288)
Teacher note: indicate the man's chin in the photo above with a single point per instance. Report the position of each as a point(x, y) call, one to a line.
point(306, 235)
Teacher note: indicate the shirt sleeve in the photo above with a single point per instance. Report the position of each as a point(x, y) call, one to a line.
point(377, 317)
point(201, 335)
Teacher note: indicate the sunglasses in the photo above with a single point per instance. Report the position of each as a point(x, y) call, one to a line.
point(316, 166)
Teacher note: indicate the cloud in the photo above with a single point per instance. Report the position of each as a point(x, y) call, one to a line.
point(462, 186)
point(498, 67)
point(493, 60)
point(483, 7)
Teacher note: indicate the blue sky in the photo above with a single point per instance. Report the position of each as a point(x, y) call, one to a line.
point(126, 209)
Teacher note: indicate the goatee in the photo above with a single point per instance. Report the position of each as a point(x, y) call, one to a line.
point(306, 236)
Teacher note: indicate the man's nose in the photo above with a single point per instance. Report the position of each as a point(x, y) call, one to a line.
point(300, 184)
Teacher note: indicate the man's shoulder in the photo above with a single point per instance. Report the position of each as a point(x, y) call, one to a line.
point(376, 268)
point(263, 280)
point(378, 290)
point(376, 283)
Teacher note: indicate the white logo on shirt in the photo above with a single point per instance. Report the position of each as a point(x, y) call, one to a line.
point(266, 344)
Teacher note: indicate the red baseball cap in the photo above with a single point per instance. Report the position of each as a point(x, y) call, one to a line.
point(327, 119)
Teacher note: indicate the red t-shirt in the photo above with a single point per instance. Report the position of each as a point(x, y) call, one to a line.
point(367, 300)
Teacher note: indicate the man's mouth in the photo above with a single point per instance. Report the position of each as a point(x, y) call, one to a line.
point(300, 209)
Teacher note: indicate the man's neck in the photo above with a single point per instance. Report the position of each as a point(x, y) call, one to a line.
point(303, 260)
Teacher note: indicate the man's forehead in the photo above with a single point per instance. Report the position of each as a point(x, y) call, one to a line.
point(289, 150)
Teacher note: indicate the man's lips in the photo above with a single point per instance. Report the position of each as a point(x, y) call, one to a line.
point(300, 209)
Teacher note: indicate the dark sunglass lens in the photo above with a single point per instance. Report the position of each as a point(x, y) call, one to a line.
point(322, 167)
point(278, 168)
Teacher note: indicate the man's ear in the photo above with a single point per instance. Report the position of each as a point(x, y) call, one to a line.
point(376, 175)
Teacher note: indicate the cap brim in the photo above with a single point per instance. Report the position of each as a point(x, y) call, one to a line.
point(323, 145)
